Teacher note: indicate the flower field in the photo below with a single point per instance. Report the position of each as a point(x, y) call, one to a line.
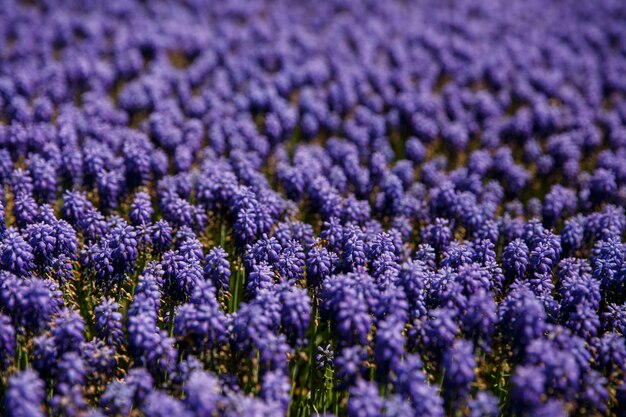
point(340, 208)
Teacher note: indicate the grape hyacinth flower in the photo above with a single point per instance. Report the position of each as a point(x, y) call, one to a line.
point(25, 395)
point(312, 208)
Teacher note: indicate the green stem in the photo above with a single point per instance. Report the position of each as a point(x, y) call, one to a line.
point(294, 374)
point(171, 324)
point(222, 235)
point(335, 398)
point(22, 355)
point(237, 285)
point(234, 289)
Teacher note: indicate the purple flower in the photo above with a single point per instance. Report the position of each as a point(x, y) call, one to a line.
point(7, 342)
point(479, 318)
point(412, 278)
point(245, 226)
point(42, 239)
point(332, 233)
point(290, 264)
point(572, 234)
point(484, 405)
point(159, 404)
point(122, 243)
point(611, 354)
point(109, 322)
point(110, 188)
point(161, 236)
point(16, 255)
point(350, 364)
point(396, 406)
point(180, 275)
point(94, 226)
point(24, 395)
point(438, 331)
point(515, 259)
point(38, 301)
point(188, 245)
point(320, 264)
point(68, 400)
point(184, 368)
point(273, 352)
point(71, 370)
point(264, 250)
point(255, 321)
point(119, 397)
point(345, 301)
point(201, 319)
point(22, 182)
point(456, 256)
point(45, 355)
point(324, 357)
point(353, 256)
point(149, 346)
point(388, 346)
point(408, 372)
point(99, 358)
point(414, 150)
point(141, 209)
point(455, 136)
point(541, 264)
point(521, 317)
point(615, 318)
point(68, 331)
point(602, 186)
point(425, 399)
point(261, 277)
point(458, 370)
point(202, 393)
point(276, 389)
point(424, 128)
point(66, 240)
point(527, 388)
point(44, 178)
point(398, 182)
point(594, 394)
point(24, 210)
point(437, 235)
point(3, 222)
point(295, 313)
point(217, 269)
point(294, 230)
point(580, 297)
point(426, 254)
point(550, 408)
point(364, 400)
point(560, 201)
point(607, 264)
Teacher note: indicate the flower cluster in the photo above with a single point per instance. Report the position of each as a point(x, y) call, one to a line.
point(342, 208)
